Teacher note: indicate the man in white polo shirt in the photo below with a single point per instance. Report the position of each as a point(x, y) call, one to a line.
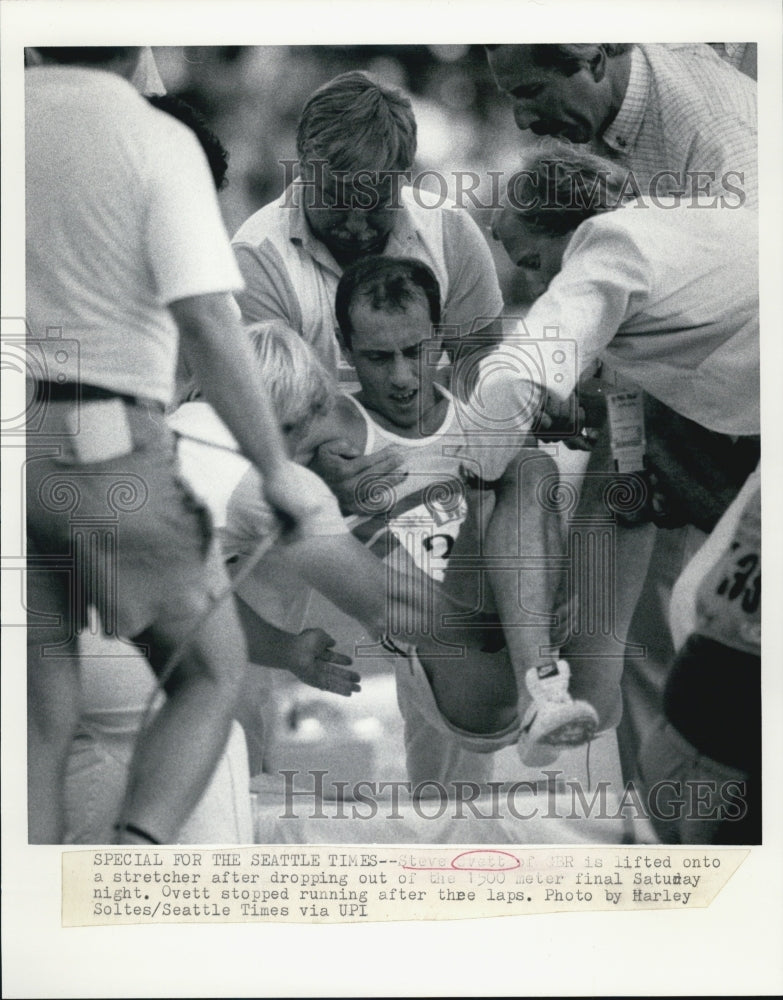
point(684, 327)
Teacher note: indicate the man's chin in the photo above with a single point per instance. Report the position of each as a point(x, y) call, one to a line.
point(575, 134)
point(355, 251)
point(559, 130)
point(403, 417)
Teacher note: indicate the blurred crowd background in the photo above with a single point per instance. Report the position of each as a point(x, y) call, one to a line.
point(252, 97)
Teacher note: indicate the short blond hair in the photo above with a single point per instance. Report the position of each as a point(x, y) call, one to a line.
point(298, 384)
point(561, 184)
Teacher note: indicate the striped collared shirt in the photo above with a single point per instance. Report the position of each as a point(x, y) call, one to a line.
point(687, 123)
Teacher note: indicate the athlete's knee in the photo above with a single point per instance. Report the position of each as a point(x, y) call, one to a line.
point(531, 478)
point(216, 659)
point(221, 674)
point(531, 468)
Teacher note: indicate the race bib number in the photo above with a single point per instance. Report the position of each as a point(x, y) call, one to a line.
point(729, 598)
point(428, 533)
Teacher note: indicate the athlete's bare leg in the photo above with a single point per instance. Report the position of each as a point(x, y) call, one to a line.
point(509, 565)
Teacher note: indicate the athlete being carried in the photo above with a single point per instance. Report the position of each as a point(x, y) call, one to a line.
point(491, 677)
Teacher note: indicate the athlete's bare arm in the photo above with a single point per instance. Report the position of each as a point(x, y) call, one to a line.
point(340, 460)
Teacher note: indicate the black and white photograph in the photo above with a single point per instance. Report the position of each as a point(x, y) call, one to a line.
point(386, 430)
point(385, 435)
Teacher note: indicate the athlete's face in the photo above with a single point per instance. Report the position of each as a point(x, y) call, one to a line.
point(394, 356)
point(576, 107)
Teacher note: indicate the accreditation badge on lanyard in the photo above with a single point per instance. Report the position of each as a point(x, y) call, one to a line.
point(626, 430)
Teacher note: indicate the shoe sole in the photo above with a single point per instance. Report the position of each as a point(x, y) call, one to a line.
point(570, 734)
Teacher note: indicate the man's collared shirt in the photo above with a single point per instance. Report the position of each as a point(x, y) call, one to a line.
point(686, 110)
point(291, 276)
point(682, 325)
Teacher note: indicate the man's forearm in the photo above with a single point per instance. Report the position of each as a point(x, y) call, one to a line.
point(267, 645)
point(359, 583)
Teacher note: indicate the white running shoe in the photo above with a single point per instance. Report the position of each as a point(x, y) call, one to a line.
point(554, 720)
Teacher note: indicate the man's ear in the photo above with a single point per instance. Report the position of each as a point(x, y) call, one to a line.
point(597, 63)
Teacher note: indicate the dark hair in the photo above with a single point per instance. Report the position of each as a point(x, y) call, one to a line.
point(215, 151)
point(356, 123)
point(569, 59)
point(89, 54)
point(388, 284)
